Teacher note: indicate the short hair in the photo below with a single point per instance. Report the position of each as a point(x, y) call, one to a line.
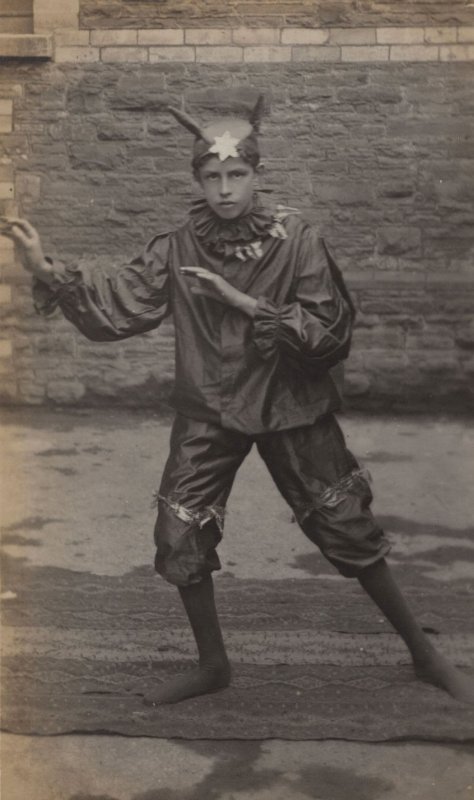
point(252, 159)
point(247, 149)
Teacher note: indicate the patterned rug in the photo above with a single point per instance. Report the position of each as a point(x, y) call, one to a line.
point(312, 660)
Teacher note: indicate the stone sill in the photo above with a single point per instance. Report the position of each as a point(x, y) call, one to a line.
point(25, 45)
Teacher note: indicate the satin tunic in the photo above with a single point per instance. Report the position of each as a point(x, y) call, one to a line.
point(252, 375)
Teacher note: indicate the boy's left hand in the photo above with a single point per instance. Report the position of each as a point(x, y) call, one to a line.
point(215, 286)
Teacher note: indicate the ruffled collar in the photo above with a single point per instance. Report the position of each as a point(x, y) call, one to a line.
point(242, 236)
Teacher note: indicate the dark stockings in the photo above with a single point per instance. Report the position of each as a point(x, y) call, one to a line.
point(213, 672)
point(430, 665)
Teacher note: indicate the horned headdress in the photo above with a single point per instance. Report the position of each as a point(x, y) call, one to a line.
point(228, 137)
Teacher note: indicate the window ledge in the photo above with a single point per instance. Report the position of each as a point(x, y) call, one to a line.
point(25, 45)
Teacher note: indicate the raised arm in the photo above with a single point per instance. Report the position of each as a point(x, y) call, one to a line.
point(105, 301)
point(314, 329)
point(29, 248)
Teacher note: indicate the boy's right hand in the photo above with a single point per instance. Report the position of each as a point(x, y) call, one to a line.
point(28, 242)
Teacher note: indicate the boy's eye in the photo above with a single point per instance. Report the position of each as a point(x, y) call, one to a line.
point(214, 176)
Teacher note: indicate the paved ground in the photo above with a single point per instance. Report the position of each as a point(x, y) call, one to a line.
point(78, 488)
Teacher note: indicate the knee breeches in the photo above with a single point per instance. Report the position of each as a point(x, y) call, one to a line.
point(311, 466)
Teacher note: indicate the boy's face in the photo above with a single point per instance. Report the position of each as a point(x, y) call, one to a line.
point(228, 186)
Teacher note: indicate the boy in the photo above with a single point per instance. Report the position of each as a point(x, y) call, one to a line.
point(261, 315)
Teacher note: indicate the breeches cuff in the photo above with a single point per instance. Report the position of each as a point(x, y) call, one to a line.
point(186, 541)
point(341, 524)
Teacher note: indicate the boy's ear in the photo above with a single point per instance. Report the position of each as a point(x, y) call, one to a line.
point(260, 168)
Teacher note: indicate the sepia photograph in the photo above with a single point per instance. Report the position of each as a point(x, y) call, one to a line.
point(237, 399)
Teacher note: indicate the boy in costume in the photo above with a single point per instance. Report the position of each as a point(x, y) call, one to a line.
point(261, 315)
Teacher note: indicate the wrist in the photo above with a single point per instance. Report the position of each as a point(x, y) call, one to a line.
point(43, 271)
point(245, 303)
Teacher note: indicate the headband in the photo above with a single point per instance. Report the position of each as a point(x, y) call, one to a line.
point(228, 137)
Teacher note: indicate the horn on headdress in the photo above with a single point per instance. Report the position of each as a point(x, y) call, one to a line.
point(257, 112)
point(189, 123)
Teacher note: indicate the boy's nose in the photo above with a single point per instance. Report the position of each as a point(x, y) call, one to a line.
point(225, 188)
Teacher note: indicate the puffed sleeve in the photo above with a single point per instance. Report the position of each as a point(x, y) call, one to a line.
point(314, 330)
point(107, 302)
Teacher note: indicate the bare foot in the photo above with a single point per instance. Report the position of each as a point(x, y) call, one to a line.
point(203, 680)
point(440, 672)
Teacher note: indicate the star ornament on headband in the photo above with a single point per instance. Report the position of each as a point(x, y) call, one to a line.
point(227, 137)
point(225, 146)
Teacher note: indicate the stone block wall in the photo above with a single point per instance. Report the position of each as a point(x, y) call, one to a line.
point(272, 13)
point(16, 16)
point(369, 131)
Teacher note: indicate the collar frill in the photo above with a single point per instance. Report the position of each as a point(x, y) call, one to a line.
point(242, 236)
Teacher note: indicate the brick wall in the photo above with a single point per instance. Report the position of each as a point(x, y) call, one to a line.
point(266, 45)
point(379, 124)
